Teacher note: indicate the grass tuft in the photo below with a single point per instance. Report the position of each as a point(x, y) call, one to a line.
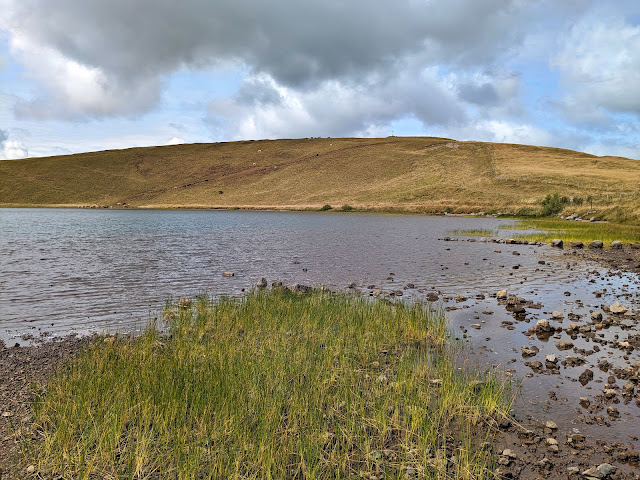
point(275, 385)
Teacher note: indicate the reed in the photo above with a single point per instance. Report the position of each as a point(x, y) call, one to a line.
point(274, 385)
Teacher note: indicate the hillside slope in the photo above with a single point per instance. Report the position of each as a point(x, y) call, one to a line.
point(395, 173)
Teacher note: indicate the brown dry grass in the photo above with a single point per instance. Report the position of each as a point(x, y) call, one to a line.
point(397, 173)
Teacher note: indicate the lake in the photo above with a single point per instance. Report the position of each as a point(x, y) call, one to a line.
point(80, 271)
point(104, 270)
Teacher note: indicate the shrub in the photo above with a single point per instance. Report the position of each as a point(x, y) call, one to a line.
point(326, 207)
point(347, 208)
point(552, 205)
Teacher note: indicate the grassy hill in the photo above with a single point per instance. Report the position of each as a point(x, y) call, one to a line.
point(386, 174)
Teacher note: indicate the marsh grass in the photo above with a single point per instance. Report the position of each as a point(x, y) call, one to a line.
point(274, 385)
point(550, 228)
point(475, 232)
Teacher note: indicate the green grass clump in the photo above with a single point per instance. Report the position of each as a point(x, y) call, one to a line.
point(325, 207)
point(274, 385)
point(550, 228)
point(475, 232)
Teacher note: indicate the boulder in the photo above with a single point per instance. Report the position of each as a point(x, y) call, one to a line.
point(262, 283)
point(501, 295)
point(616, 245)
point(556, 242)
point(577, 245)
point(596, 244)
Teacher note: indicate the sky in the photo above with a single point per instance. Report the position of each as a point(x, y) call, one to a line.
point(86, 75)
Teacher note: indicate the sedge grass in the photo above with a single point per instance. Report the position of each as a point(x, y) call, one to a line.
point(547, 229)
point(275, 386)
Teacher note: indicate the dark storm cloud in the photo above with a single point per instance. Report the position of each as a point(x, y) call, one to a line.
point(484, 94)
point(297, 43)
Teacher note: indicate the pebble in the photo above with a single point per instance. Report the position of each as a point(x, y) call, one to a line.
point(551, 425)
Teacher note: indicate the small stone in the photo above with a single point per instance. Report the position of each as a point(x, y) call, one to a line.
point(564, 345)
point(556, 315)
point(502, 294)
point(543, 326)
point(7, 414)
point(551, 359)
point(606, 469)
point(551, 441)
point(228, 274)
point(509, 453)
point(262, 283)
point(617, 308)
point(31, 469)
point(551, 425)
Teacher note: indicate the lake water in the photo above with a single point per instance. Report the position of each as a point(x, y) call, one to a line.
point(83, 271)
point(106, 270)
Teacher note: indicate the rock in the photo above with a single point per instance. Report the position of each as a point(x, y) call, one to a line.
point(432, 297)
point(299, 288)
point(501, 295)
point(564, 345)
point(593, 472)
point(556, 242)
point(556, 315)
point(613, 412)
point(551, 359)
point(584, 401)
point(616, 245)
point(535, 366)
point(228, 274)
point(577, 245)
point(606, 469)
point(543, 326)
point(551, 441)
point(596, 317)
point(262, 283)
point(509, 453)
point(477, 326)
point(628, 388)
point(551, 425)
point(617, 308)
point(585, 377)
point(596, 244)
point(31, 469)
point(529, 351)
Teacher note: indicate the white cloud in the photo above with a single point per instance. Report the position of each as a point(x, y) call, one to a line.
point(11, 149)
point(267, 109)
point(175, 141)
point(600, 65)
point(72, 90)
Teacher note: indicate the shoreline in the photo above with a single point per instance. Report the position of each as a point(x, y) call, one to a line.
point(528, 449)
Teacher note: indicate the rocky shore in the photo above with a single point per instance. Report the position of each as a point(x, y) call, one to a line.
point(596, 354)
